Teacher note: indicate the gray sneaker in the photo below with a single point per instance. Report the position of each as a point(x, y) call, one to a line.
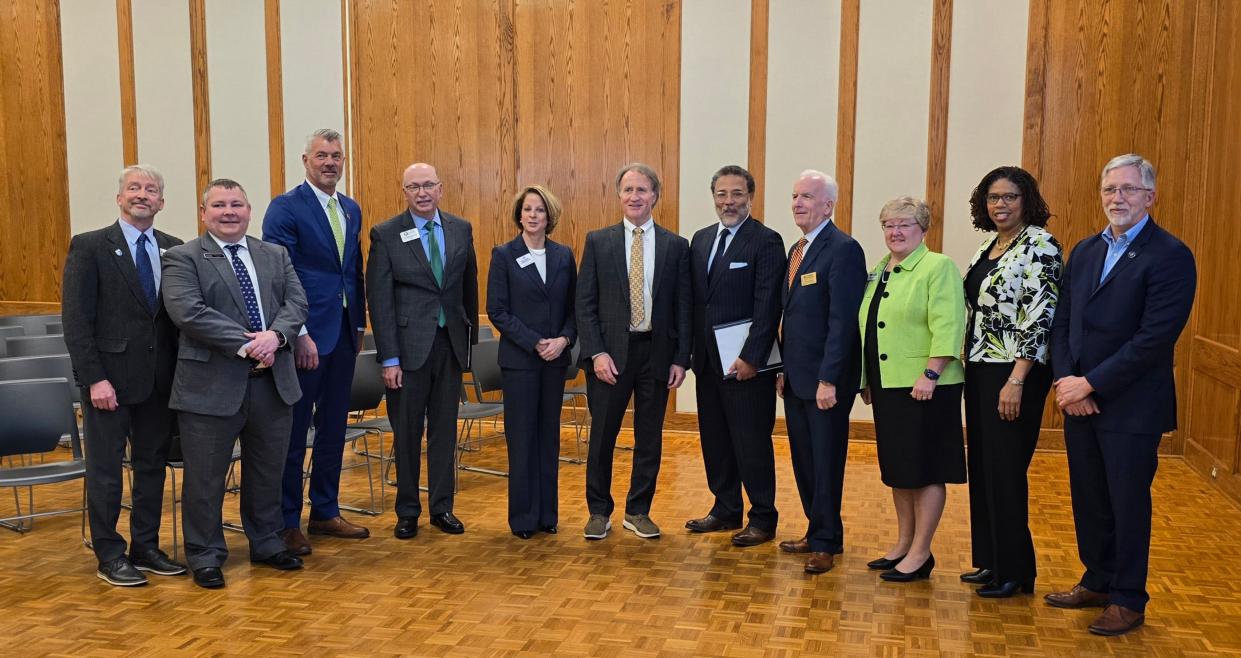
point(597, 527)
point(641, 525)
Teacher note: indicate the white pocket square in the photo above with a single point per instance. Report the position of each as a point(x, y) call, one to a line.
point(737, 266)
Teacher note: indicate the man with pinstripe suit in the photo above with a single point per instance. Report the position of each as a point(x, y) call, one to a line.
point(736, 266)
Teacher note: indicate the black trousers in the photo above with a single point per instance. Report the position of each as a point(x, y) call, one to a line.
point(819, 444)
point(430, 393)
point(1110, 475)
point(532, 403)
point(649, 390)
point(148, 428)
point(998, 458)
point(262, 424)
point(735, 420)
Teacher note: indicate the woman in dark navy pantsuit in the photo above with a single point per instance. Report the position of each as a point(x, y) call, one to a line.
point(530, 292)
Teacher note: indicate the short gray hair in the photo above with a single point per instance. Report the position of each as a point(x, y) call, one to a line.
point(1145, 168)
point(833, 190)
point(326, 134)
point(907, 206)
point(643, 169)
point(142, 170)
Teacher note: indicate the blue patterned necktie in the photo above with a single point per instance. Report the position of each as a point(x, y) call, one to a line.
point(247, 289)
point(146, 274)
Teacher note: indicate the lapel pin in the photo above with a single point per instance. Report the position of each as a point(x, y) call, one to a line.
point(1133, 254)
point(118, 252)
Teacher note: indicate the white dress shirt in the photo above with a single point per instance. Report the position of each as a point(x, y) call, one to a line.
point(648, 269)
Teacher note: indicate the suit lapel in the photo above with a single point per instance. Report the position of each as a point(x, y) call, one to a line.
point(807, 258)
point(415, 246)
point(554, 265)
point(224, 268)
point(265, 270)
point(125, 263)
point(736, 245)
point(662, 238)
point(517, 248)
point(321, 225)
point(616, 242)
point(1132, 253)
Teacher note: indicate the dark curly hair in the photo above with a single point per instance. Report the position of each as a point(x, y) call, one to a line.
point(1033, 207)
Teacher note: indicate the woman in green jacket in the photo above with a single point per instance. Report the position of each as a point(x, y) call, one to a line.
point(912, 321)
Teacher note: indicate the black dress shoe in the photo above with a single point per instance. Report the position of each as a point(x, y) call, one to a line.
point(883, 563)
point(448, 523)
point(549, 529)
point(752, 536)
point(1005, 589)
point(923, 572)
point(980, 576)
point(157, 562)
point(209, 577)
point(710, 523)
point(284, 561)
point(406, 527)
point(523, 534)
point(120, 572)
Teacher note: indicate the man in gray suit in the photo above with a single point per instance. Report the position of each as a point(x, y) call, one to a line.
point(239, 305)
point(123, 349)
point(422, 290)
point(633, 318)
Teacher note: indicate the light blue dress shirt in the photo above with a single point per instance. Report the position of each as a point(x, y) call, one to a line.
point(1117, 246)
point(131, 239)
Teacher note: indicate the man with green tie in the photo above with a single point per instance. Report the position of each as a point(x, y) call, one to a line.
point(423, 294)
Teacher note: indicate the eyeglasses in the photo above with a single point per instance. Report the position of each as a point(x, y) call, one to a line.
point(1008, 199)
point(733, 195)
point(902, 227)
point(1125, 190)
point(413, 188)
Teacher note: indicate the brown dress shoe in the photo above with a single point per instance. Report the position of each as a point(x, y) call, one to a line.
point(1078, 597)
point(752, 536)
point(820, 562)
point(337, 527)
point(1117, 620)
point(795, 546)
point(295, 541)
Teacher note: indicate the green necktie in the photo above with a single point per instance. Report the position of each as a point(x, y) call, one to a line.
point(338, 232)
point(437, 265)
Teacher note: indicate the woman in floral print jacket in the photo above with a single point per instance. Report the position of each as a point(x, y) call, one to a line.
point(1011, 287)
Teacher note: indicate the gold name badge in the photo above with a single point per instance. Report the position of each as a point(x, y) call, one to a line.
point(809, 278)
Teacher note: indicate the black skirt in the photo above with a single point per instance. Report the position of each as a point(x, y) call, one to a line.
point(920, 443)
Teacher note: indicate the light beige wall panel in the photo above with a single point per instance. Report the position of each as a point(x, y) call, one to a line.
point(894, 65)
point(165, 107)
point(310, 47)
point(715, 93)
point(803, 69)
point(92, 111)
point(237, 89)
point(986, 105)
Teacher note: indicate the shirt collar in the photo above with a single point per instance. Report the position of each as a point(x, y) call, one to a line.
point(420, 222)
point(1128, 236)
point(323, 198)
point(817, 230)
point(733, 230)
point(224, 244)
point(645, 226)
point(131, 232)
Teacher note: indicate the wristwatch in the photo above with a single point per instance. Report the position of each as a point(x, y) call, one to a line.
point(931, 374)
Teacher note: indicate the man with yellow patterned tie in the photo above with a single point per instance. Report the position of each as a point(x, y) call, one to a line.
point(633, 318)
point(320, 226)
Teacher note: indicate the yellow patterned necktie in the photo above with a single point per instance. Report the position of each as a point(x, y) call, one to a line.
point(637, 270)
point(338, 230)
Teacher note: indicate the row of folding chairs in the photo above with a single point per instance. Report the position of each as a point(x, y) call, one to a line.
point(30, 325)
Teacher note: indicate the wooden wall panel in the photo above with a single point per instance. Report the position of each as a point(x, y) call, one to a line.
point(756, 162)
point(1116, 77)
point(34, 199)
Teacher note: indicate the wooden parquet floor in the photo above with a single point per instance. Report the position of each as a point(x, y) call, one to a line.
point(487, 593)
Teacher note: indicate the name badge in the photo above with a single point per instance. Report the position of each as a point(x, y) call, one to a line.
point(161, 251)
point(809, 278)
point(525, 261)
point(411, 234)
point(212, 254)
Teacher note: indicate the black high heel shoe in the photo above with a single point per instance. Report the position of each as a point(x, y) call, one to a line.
point(1006, 589)
point(923, 572)
point(883, 563)
point(979, 576)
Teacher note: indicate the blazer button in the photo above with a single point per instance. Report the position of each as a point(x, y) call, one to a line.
point(883, 357)
point(897, 269)
point(885, 294)
point(881, 324)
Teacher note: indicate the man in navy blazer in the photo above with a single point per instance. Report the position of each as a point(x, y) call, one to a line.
point(1126, 296)
point(822, 363)
point(319, 227)
point(736, 266)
